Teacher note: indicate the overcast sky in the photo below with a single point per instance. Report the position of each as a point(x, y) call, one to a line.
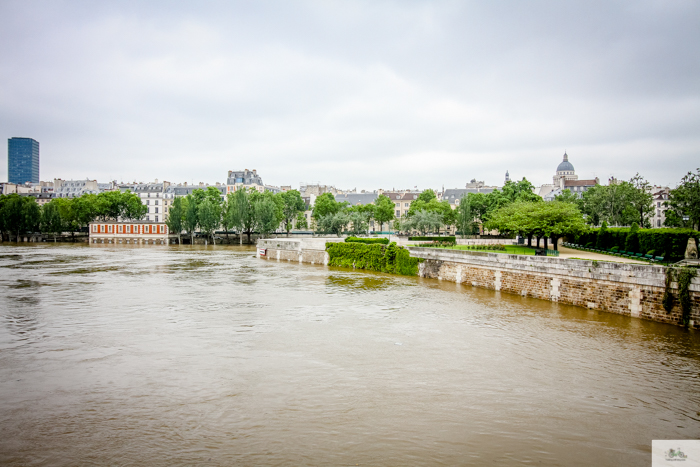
point(354, 94)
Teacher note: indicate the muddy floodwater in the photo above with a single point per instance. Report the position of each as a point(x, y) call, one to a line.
point(187, 355)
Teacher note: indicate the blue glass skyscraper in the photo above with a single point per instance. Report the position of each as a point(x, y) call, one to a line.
point(22, 160)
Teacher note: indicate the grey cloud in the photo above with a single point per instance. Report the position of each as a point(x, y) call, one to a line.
point(365, 94)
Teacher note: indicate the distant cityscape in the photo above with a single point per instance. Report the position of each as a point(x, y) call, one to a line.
point(23, 165)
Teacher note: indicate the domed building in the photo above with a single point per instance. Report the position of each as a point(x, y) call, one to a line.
point(565, 171)
point(565, 179)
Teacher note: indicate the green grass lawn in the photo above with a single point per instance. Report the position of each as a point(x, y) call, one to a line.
point(510, 249)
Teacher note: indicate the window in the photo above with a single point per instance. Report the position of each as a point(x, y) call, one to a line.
point(658, 223)
point(94, 228)
point(156, 216)
point(109, 229)
point(156, 202)
point(156, 213)
point(405, 205)
point(658, 205)
point(148, 202)
point(120, 229)
point(102, 228)
point(398, 213)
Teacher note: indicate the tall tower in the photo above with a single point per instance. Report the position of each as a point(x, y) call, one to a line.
point(22, 160)
point(507, 177)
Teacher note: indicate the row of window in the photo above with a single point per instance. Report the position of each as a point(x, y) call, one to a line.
point(129, 229)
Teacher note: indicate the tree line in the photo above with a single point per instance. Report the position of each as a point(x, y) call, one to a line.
point(22, 214)
point(245, 211)
point(623, 203)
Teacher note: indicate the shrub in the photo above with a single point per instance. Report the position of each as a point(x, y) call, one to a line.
point(667, 242)
point(602, 239)
point(632, 240)
point(651, 252)
point(374, 257)
point(369, 241)
point(615, 248)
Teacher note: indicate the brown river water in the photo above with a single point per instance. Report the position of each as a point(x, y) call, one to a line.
point(187, 355)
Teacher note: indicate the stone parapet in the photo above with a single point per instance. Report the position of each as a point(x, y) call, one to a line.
point(311, 251)
point(628, 289)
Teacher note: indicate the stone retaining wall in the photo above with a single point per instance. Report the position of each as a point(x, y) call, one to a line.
point(299, 250)
point(627, 289)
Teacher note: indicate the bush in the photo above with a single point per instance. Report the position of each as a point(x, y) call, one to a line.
point(651, 252)
point(667, 242)
point(452, 240)
point(615, 248)
point(374, 257)
point(602, 240)
point(369, 241)
point(632, 240)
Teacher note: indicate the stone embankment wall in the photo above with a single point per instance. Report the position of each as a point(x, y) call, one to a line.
point(302, 250)
point(626, 289)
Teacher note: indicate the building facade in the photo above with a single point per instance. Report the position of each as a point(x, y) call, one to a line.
point(659, 197)
point(134, 233)
point(74, 188)
point(22, 160)
point(238, 179)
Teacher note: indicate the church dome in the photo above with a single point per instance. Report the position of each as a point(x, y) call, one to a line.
point(565, 165)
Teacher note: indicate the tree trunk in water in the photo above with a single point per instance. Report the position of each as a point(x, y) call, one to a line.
point(240, 238)
point(248, 233)
point(213, 240)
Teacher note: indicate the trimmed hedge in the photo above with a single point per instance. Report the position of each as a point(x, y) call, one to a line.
point(374, 257)
point(666, 242)
point(430, 239)
point(369, 241)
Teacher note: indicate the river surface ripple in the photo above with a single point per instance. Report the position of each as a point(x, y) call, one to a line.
point(209, 356)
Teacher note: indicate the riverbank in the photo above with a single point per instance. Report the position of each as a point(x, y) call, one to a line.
point(635, 290)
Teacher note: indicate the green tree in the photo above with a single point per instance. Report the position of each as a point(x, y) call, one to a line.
point(20, 214)
point(326, 204)
point(301, 223)
point(241, 212)
point(209, 215)
point(464, 217)
point(383, 211)
point(567, 196)
point(359, 222)
point(333, 223)
point(612, 203)
point(51, 221)
point(66, 209)
point(266, 215)
point(641, 200)
point(191, 219)
point(175, 218)
point(292, 205)
point(541, 220)
point(684, 201)
point(423, 221)
point(427, 196)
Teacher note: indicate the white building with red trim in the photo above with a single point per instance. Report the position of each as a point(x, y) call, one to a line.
point(134, 233)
